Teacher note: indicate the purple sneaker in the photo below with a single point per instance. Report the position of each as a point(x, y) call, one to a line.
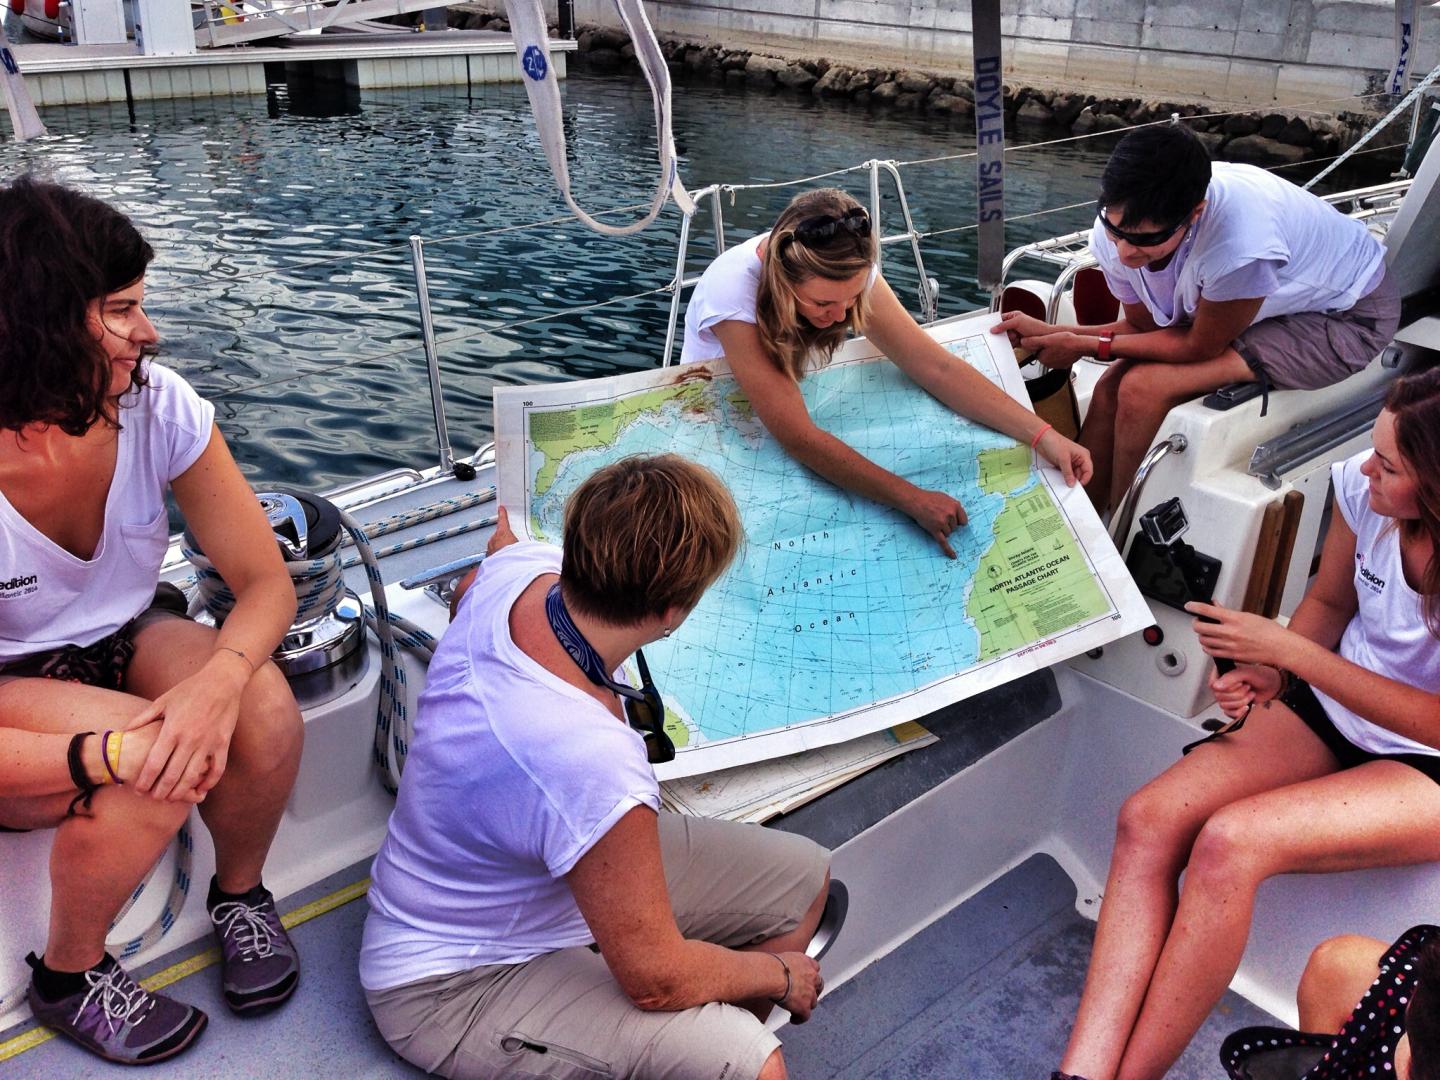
point(116, 1018)
point(259, 966)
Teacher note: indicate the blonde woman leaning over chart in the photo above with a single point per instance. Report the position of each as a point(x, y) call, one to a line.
point(770, 303)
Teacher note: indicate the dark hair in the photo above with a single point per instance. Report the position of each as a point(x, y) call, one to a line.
point(786, 335)
point(645, 534)
point(59, 251)
point(1157, 174)
point(1422, 1019)
point(1414, 401)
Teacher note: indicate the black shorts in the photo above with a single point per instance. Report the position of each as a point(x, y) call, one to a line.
point(1306, 705)
point(103, 662)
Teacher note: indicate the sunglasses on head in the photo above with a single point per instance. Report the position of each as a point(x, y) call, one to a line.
point(1140, 239)
point(817, 230)
point(645, 712)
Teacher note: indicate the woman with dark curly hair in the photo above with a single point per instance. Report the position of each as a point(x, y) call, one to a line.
point(117, 713)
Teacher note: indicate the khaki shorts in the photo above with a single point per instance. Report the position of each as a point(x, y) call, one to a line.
point(1312, 349)
point(562, 1015)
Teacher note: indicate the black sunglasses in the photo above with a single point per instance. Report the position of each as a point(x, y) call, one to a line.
point(1140, 239)
point(645, 712)
point(817, 230)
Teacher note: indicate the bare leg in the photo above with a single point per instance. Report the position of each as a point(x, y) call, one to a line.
point(1337, 975)
point(1150, 390)
point(1379, 814)
point(1097, 433)
point(243, 810)
point(1153, 838)
point(97, 858)
point(793, 941)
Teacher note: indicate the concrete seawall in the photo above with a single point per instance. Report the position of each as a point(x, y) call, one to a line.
point(1253, 52)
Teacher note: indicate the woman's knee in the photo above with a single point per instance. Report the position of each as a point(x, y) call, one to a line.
point(1336, 976)
point(1151, 826)
point(117, 811)
point(269, 723)
point(1227, 851)
point(1142, 391)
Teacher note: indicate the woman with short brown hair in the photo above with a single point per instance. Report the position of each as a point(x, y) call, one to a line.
point(532, 911)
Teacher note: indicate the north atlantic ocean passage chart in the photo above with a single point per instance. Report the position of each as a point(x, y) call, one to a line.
point(839, 617)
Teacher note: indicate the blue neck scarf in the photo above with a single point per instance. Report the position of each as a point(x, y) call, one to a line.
point(580, 650)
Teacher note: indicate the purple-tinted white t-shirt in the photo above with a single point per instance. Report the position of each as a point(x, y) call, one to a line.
point(512, 776)
point(1258, 236)
point(50, 597)
point(1387, 634)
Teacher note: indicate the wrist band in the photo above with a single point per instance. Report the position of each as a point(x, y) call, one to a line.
point(78, 776)
point(237, 652)
point(1036, 440)
point(111, 767)
point(781, 999)
point(1102, 351)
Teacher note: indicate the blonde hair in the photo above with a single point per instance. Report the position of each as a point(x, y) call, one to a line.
point(645, 534)
point(787, 336)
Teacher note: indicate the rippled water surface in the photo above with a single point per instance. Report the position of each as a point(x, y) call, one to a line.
point(317, 370)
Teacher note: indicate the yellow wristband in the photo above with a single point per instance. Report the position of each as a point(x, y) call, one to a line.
point(111, 750)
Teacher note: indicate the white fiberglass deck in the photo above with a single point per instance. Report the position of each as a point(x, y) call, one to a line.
point(972, 969)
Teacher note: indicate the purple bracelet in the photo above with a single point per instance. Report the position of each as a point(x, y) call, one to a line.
point(105, 755)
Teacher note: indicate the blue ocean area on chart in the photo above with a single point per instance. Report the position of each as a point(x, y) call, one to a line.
point(835, 601)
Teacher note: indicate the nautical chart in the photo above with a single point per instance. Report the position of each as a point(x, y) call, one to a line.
point(840, 617)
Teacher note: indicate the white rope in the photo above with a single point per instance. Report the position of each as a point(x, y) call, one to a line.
point(1375, 129)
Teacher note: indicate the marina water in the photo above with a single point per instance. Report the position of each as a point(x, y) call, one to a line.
point(282, 285)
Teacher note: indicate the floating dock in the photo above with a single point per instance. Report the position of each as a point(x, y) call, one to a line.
point(57, 74)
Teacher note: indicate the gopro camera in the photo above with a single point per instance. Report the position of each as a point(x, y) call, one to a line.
point(1163, 525)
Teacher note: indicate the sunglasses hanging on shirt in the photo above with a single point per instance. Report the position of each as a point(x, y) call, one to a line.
point(644, 710)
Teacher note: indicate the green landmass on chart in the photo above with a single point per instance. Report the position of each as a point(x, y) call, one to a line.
point(1033, 580)
point(562, 432)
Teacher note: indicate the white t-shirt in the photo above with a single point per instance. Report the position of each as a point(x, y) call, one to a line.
point(727, 291)
point(1388, 633)
point(1258, 236)
point(49, 597)
point(512, 776)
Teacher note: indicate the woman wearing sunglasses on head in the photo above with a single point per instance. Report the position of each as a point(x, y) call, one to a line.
point(770, 304)
point(1336, 766)
point(1224, 274)
point(532, 911)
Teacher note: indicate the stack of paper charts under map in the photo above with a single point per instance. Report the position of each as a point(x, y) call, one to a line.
point(839, 618)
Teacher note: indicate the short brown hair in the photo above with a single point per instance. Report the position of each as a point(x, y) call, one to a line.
point(645, 534)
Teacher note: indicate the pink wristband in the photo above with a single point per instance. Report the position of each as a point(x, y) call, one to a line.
point(1039, 435)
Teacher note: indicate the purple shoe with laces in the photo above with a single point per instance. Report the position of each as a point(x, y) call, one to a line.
point(114, 1017)
point(259, 966)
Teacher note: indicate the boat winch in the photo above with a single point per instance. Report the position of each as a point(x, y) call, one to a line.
point(321, 654)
